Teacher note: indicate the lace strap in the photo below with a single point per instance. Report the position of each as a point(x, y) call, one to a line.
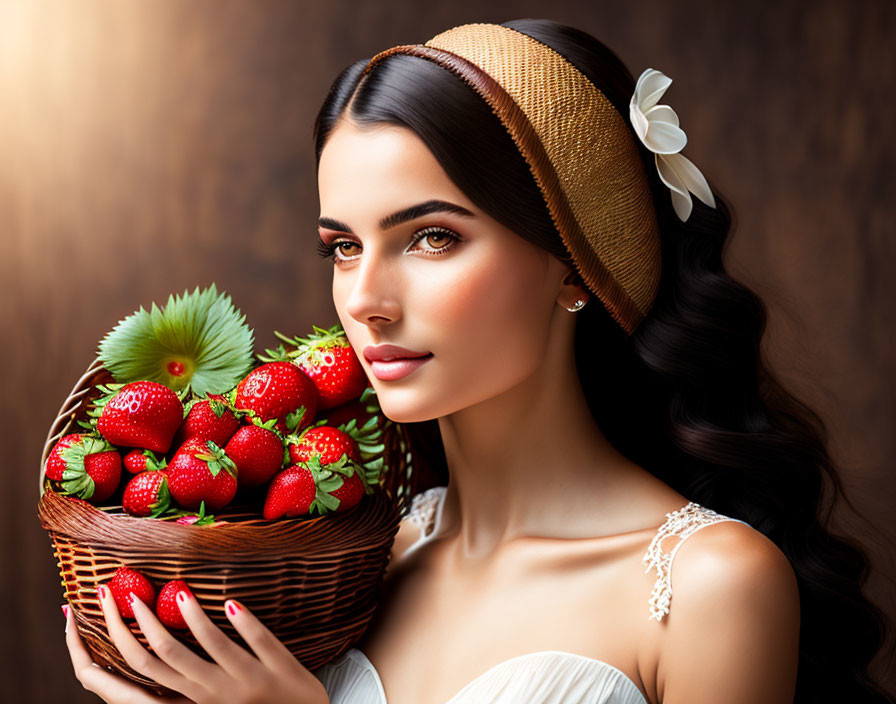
point(423, 509)
point(681, 523)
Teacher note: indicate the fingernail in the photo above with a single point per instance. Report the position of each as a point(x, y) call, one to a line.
point(232, 607)
point(133, 598)
point(102, 591)
point(65, 611)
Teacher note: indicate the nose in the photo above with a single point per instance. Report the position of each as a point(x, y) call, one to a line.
point(373, 296)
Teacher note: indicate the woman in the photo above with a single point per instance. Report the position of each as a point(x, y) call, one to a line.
point(588, 382)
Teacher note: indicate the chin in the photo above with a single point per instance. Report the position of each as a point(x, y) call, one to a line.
point(404, 410)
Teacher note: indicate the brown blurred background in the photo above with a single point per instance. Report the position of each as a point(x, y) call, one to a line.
point(147, 148)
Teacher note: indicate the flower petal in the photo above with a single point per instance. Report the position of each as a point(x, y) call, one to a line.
point(650, 88)
point(669, 175)
point(693, 179)
point(662, 113)
point(664, 138)
point(639, 122)
point(681, 199)
point(682, 205)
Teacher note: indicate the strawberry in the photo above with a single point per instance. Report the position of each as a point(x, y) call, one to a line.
point(167, 608)
point(93, 469)
point(326, 442)
point(142, 414)
point(335, 451)
point(278, 390)
point(138, 460)
point(327, 357)
point(307, 487)
point(55, 464)
point(291, 493)
point(258, 453)
point(127, 580)
point(350, 493)
point(364, 423)
point(210, 418)
point(201, 471)
point(147, 494)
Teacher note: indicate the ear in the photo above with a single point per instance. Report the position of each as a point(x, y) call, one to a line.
point(572, 289)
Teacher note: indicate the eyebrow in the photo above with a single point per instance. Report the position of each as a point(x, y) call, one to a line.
point(402, 216)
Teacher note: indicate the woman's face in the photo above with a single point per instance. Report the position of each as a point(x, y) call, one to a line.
point(472, 293)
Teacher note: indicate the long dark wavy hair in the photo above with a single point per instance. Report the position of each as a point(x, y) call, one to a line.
point(688, 396)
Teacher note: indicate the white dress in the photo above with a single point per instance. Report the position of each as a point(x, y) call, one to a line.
point(544, 677)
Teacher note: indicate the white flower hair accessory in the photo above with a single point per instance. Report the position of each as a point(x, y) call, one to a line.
point(657, 126)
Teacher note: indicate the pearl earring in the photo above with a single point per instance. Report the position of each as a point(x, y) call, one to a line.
point(579, 304)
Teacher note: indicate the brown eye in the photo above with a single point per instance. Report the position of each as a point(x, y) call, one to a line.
point(341, 246)
point(438, 236)
point(434, 236)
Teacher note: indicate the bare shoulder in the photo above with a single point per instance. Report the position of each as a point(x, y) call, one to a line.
point(730, 560)
point(733, 624)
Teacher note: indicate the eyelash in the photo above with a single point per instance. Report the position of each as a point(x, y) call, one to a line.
point(328, 251)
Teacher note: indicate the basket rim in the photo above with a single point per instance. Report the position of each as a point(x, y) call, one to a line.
point(261, 538)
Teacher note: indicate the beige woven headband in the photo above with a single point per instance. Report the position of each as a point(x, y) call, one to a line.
point(580, 151)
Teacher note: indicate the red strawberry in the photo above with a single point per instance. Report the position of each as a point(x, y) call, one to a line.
point(127, 580)
point(142, 414)
point(137, 461)
point(350, 493)
point(167, 608)
point(335, 452)
point(257, 452)
point(363, 422)
point(328, 358)
point(201, 471)
point(278, 390)
point(291, 493)
point(93, 469)
point(324, 442)
point(55, 464)
point(147, 494)
point(210, 418)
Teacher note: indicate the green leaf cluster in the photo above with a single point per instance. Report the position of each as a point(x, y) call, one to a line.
point(201, 333)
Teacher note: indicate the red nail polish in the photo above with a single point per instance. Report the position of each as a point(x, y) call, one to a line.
point(182, 596)
point(233, 607)
point(102, 591)
point(65, 610)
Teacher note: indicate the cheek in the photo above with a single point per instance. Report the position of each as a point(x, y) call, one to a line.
point(489, 321)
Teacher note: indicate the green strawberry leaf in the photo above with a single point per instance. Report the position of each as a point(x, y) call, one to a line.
point(294, 419)
point(163, 503)
point(279, 354)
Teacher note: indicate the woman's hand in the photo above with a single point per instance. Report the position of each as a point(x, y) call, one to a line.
point(271, 675)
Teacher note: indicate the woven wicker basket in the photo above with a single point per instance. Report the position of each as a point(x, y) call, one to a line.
point(314, 581)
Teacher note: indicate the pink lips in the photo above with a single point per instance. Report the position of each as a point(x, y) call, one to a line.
point(390, 362)
point(388, 371)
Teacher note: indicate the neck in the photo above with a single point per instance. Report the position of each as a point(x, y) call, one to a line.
point(530, 462)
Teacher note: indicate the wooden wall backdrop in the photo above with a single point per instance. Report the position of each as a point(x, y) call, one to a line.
point(152, 147)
